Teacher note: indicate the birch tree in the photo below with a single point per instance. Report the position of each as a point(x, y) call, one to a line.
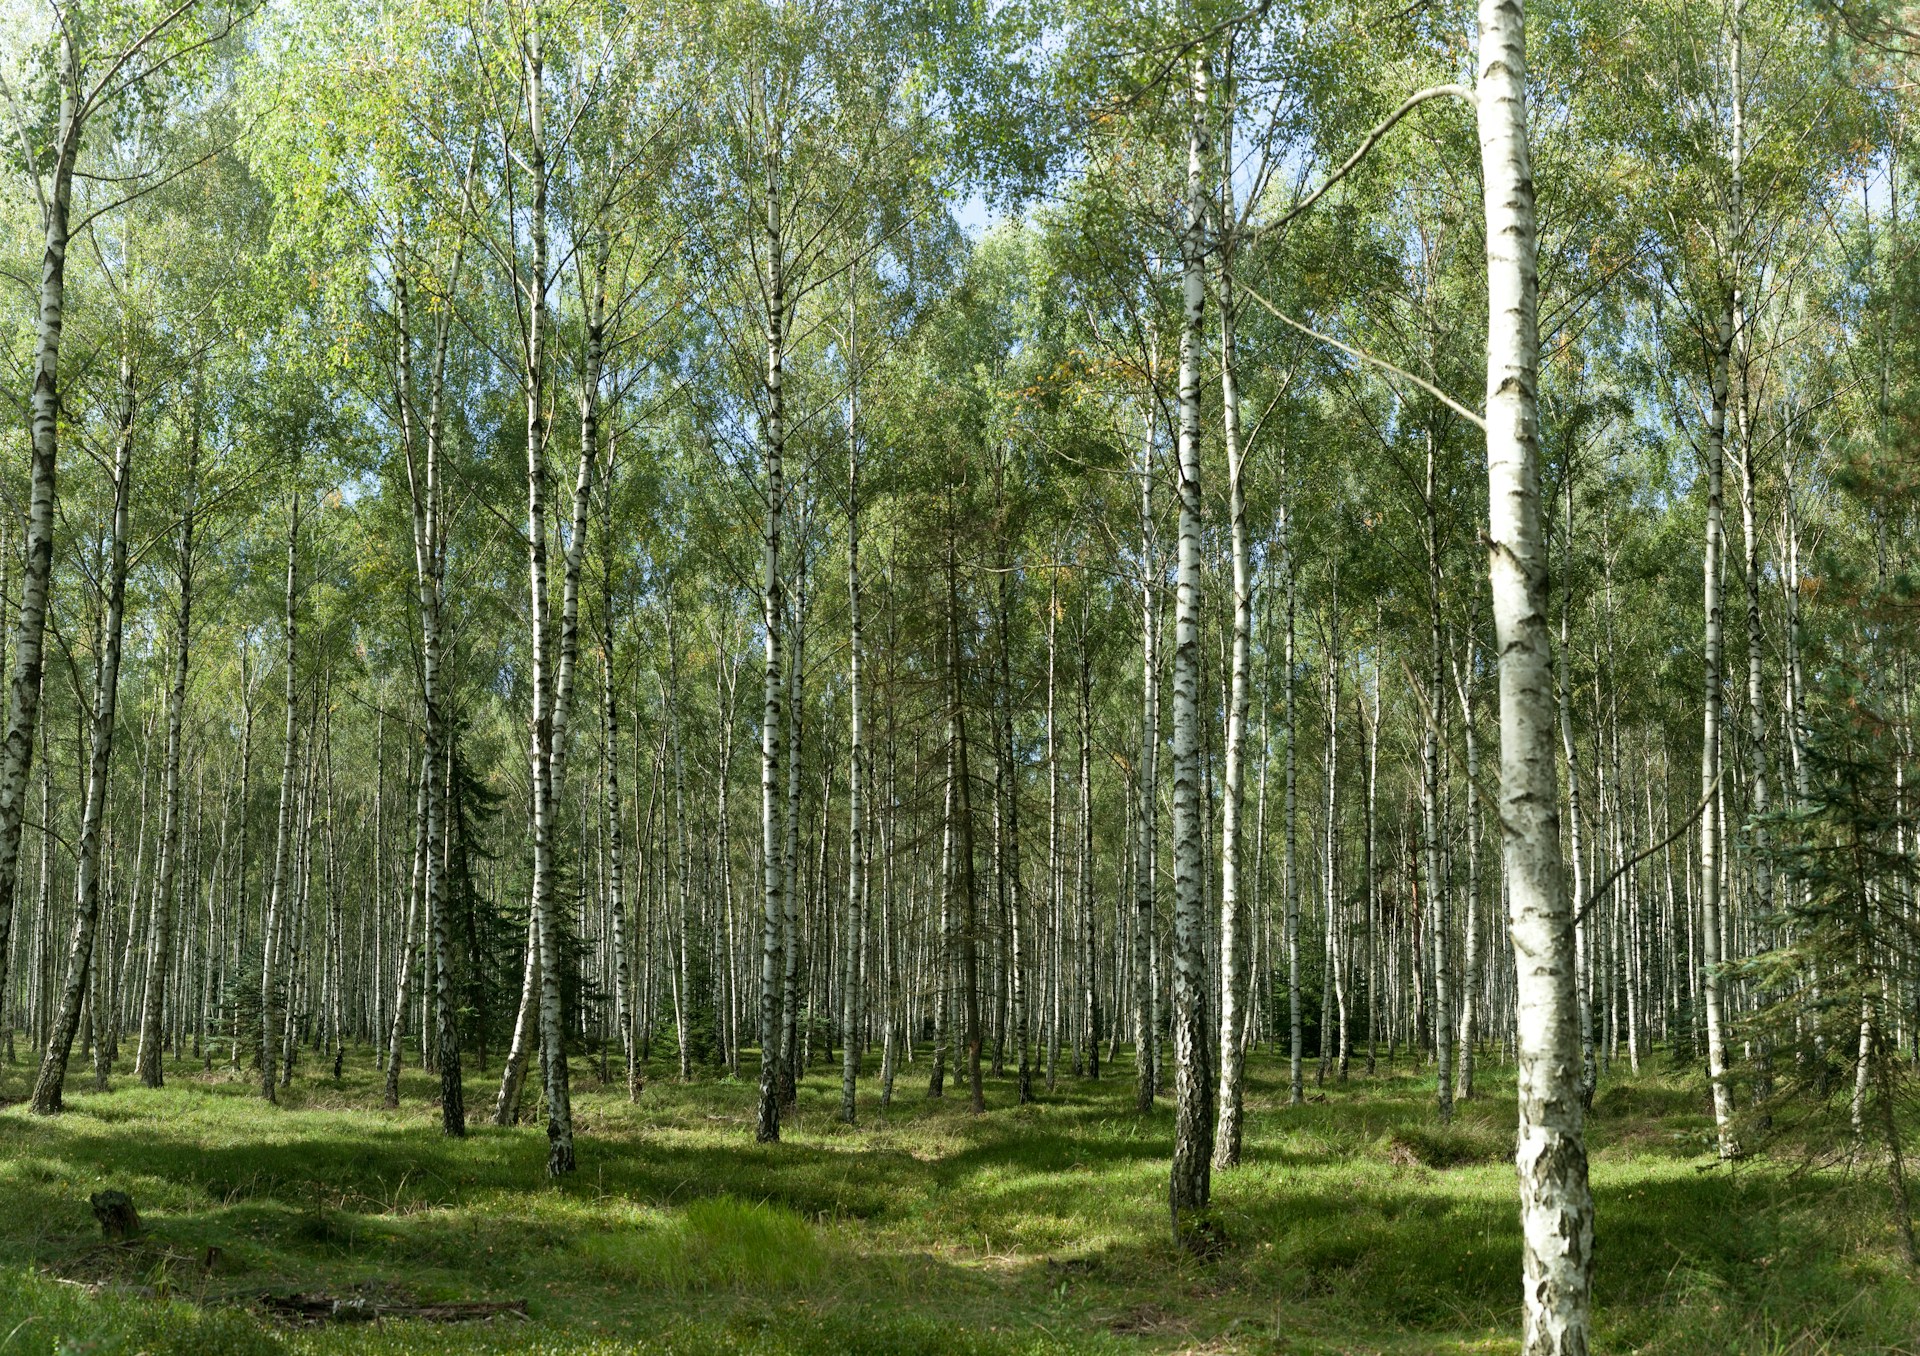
point(1556, 1205)
point(1193, 1074)
point(102, 60)
point(108, 639)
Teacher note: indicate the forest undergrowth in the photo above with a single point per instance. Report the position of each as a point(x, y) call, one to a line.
point(1356, 1224)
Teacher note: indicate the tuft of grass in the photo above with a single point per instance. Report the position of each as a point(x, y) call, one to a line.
point(1447, 1146)
point(715, 1243)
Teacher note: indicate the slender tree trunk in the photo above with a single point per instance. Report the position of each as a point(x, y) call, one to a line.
point(506, 1105)
point(1290, 868)
point(1576, 822)
point(1089, 930)
point(278, 906)
point(1374, 920)
point(1147, 833)
point(614, 824)
point(1056, 911)
point(1760, 798)
point(148, 1064)
point(682, 959)
point(772, 450)
point(1436, 901)
point(1013, 891)
point(24, 692)
point(1556, 1206)
point(1711, 837)
point(1333, 985)
point(552, 674)
point(106, 690)
point(1233, 909)
point(854, 928)
point(409, 941)
point(792, 1052)
point(1470, 985)
point(115, 978)
point(963, 884)
point(1191, 1181)
point(424, 480)
point(944, 944)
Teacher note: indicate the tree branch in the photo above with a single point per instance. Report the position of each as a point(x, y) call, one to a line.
point(1411, 102)
point(1365, 357)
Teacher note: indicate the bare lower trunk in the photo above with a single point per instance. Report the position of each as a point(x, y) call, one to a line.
point(791, 1051)
point(683, 873)
point(106, 689)
point(1090, 935)
point(1146, 824)
point(944, 946)
point(1233, 909)
point(614, 828)
point(1575, 821)
point(1470, 983)
point(963, 884)
point(160, 932)
point(278, 895)
point(1013, 896)
point(1436, 919)
point(1712, 836)
point(513, 1074)
point(1055, 996)
point(853, 927)
point(1290, 867)
point(409, 941)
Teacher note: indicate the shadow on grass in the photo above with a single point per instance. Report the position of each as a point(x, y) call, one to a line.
point(1039, 1228)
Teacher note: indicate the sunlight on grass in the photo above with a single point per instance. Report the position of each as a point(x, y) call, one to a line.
point(716, 1243)
point(1357, 1224)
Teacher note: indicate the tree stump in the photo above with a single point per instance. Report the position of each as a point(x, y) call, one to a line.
point(119, 1221)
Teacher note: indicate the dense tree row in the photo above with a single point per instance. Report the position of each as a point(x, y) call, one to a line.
point(1046, 447)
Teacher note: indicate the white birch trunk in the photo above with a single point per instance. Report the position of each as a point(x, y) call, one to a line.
point(1712, 888)
point(1233, 909)
point(1146, 824)
point(1290, 866)
point(147, 1063)
point(106, 688)
point(1470, 983)
point(1190, 1185)
point(1439, 938)
point(853, 929)
point(773, 606)
point(23, 700)
point(1556, 1205)
point(277, 905)
point(550, 672)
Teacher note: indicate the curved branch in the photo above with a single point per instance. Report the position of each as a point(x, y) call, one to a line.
point(1407, 106)
point(1641, 856)
point(1366, 357)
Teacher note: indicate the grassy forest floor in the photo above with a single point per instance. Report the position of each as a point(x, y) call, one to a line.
point(1355, 1224)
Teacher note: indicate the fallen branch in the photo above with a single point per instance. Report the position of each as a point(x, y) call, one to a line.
point(303, 1308)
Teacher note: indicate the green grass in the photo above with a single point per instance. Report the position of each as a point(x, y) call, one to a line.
point(1357, 1224)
